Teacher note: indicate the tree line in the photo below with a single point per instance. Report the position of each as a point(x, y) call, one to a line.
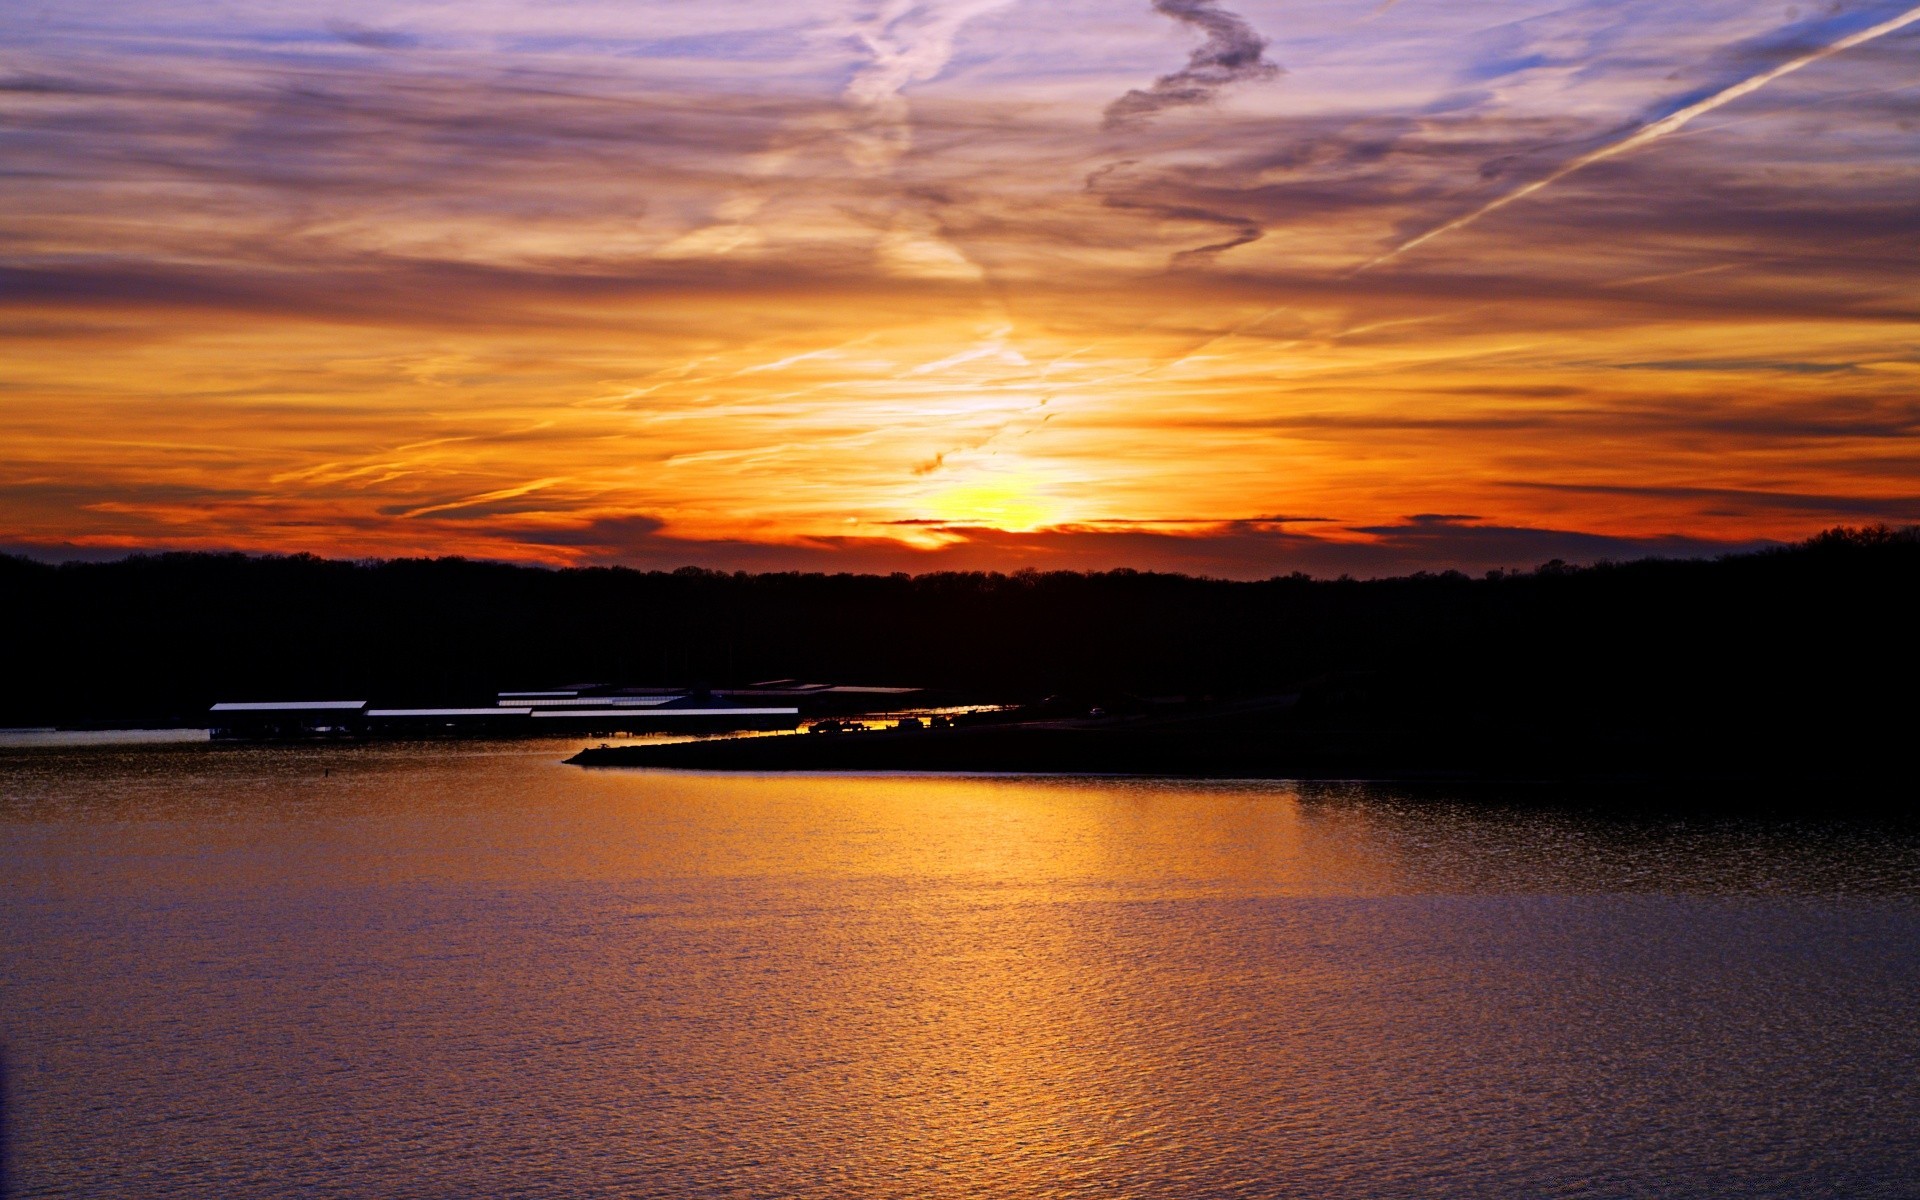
point(1814, 640)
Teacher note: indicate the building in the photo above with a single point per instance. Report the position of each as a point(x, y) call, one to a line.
point(577, 711)
point(288, 720)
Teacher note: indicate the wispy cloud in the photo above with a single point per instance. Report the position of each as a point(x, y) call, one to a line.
point(1659, 128)
point(355, 34)
point(1902, 509)
point(1233, 52)
point(905, 42)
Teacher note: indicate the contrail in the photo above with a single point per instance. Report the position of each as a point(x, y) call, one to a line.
point(905, 43)
point(1234, 51)
point(1656, 130)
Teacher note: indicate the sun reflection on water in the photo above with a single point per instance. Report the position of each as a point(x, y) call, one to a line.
point(467, 969)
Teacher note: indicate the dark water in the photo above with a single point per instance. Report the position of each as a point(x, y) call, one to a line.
point(469, 971)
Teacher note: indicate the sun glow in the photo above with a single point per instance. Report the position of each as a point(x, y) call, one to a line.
point(1013, 502)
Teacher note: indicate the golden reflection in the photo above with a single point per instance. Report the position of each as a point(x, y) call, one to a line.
point(880, 986)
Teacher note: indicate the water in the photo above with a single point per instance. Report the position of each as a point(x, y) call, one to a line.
point(467, 970)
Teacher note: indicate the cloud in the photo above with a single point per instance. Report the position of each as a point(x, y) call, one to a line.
point(1119, 186)
point(1491, 411)
point(905, 43)
point(1233, 52)
point(372, 39)
point(488, 503)
point(1656, 129)
point(1253, 549)
point(263, 265)
point(1742, 501)
point(65, 552)
point(358, 177)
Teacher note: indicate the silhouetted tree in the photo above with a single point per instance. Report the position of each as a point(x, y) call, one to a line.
point(1776, 650)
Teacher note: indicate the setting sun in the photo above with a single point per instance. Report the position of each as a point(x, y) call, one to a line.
point(1009, 502)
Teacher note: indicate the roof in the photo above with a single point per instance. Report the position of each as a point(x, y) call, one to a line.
point(803, 689)
point(268, 706)
point(795, 687)
point(667, 712)
point(448, 712)
point(595, 702)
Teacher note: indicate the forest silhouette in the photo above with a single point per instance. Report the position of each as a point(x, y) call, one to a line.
point(1802, 655)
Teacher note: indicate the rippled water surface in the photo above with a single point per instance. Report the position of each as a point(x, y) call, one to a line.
point(469, 970)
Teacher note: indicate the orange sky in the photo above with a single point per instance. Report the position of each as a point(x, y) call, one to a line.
point(917, 286)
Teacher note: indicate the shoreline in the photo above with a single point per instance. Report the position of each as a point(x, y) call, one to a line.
point(1232, 750)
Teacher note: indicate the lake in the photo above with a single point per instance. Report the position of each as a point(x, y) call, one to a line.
point(466, 969)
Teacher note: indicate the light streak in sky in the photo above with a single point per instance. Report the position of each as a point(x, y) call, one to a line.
point(1655, 131)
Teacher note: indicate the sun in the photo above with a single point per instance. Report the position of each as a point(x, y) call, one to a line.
point(1012, 502)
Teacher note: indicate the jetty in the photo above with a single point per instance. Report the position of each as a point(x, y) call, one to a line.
point(1243, 739)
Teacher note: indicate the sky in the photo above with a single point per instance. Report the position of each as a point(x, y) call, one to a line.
point(1233, 287)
